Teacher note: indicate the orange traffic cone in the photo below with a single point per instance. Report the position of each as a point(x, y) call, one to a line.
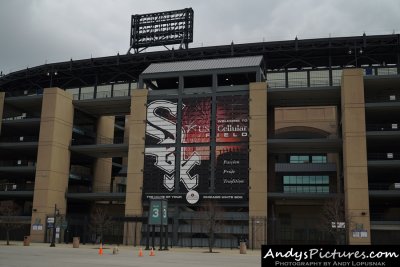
point(101, 249)
point(140, 252)
point(152, 252)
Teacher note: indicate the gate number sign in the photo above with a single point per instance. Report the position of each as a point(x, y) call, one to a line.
point(156, 208)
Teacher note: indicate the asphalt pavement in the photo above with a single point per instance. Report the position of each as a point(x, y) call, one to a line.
point(41, 255)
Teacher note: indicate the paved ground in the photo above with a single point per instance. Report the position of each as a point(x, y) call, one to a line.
point(41, 255)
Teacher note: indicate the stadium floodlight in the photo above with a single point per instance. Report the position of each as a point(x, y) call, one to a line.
point(161, 29)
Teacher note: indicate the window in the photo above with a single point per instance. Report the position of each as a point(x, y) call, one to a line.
point(306, 184)
point(307, 159)
point(297, 79)
point(299, 159)
point(276, 80)
point(319, 78)
point(318, 159)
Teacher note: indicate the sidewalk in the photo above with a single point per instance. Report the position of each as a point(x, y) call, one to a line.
point(42, 255)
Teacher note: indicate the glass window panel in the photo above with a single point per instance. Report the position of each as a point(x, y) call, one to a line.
point(293, 179)
point(297, 79)
point(276, 80)
point(304, 159)
point(103, 91)
point(336, 77)
point(318, 180)
point(299, 180)
point(312, 179)
point(306, 179)
point(319, 78)
point(74, 92)
point(318, 159)
point(87, 93)
point(294, 159)
point(121, 89)
point(286, 180)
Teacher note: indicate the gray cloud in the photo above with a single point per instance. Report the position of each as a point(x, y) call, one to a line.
point(35, 31)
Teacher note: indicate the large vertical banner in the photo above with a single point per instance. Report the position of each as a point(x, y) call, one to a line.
point(178, 159)
point(231, 153)
point(160, 160)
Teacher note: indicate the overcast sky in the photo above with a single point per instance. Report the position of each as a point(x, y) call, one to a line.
point(33, 32)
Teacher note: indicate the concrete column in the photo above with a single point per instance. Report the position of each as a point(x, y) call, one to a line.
point(2, 96)
point(258, 164)
point(134, 182)
point(53, 158)
point(102, 168)
point(355, 155)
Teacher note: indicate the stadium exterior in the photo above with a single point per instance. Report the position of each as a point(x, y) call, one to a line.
point(275, 137)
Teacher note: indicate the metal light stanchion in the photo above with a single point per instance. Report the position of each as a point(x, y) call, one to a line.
point(53, 239)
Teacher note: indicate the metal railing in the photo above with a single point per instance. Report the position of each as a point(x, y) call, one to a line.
point(21, 117)
point(382, 98)
point(17, 93)
point(100, 141)
point(383, 186)
point(90, 189)
point(383, 216)
point(384, 156)
point(16, 187)
point(17, 163)
point(383, 127)
point(101, 94)
point(19, 139)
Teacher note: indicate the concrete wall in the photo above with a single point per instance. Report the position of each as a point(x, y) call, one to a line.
point(53, 158)
point(102, 168)
point(319, 117)
point(134, 182)
point(258, 161)
point(355, 154)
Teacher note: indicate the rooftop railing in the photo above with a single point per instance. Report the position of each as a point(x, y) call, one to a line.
point(100, 141)
point(383, 127)
point(384, 156)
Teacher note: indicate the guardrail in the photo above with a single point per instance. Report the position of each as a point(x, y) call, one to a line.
point(383, 127)
point(17, 163)
point(16, 187)
point(382, 216)
point(382, 98)
point(100, 141)
point(90, 189)
point(19, 139)
point(383, 186)
point(101, 94)
point(384, 156)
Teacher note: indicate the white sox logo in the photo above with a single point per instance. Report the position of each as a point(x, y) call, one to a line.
point(163, 129)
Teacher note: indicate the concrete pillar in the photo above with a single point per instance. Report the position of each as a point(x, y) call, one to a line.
point(355, 155)
point(134, 182)
point(102, 168)
point(258, 164)
point(53, 158)
point(2, 96)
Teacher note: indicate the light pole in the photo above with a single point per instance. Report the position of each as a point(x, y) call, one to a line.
point(51, 73)
point(53, 238)
point(357, 50)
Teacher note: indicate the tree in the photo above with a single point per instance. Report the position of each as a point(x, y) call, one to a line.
point(9, 220)
point(100, 221)
point(211, 221)
point(334, 221)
